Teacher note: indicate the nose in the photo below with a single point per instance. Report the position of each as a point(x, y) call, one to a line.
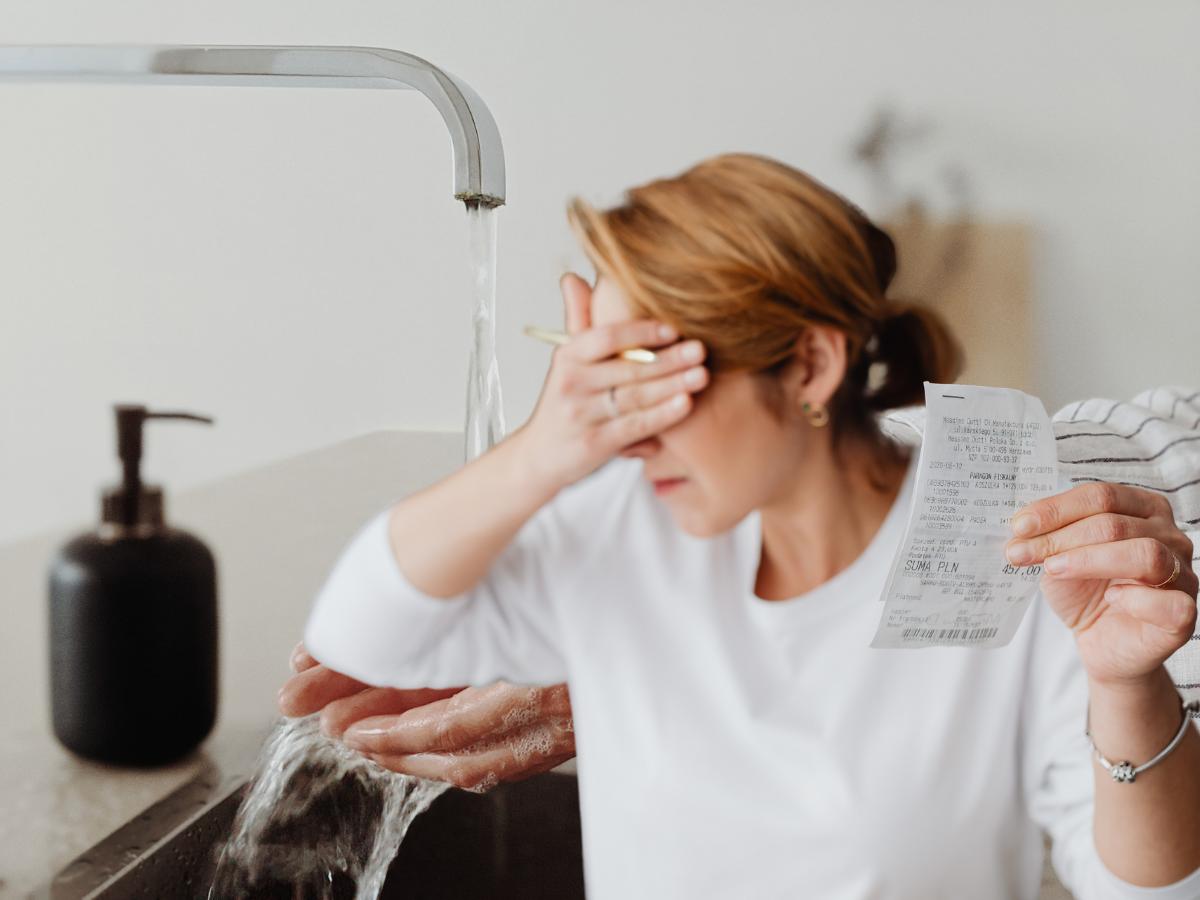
point(643, 449)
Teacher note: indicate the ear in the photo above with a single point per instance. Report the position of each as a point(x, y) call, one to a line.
point(819, 365)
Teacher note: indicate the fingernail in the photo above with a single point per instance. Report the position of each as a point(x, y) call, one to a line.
point(281, 696)
point(297, 655)
point(694, 377)
point(373, 732)
point(1024, 525)
point(693, 351)
point(666, 332)
point(1055, 565)
point(350, 735)
point(1019, 553)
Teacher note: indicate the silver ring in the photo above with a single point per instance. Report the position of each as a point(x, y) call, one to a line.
point(1174, 574)
point(613, 409)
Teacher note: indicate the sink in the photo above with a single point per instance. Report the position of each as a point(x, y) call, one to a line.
point(519, 840)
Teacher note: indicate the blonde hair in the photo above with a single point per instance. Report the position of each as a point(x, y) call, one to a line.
point(744, 252)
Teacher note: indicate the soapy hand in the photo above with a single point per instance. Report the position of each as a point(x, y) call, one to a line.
point(1104, 547)
point(473, 738)
point(573, 429)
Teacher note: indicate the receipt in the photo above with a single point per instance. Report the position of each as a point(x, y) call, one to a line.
point(987, 451)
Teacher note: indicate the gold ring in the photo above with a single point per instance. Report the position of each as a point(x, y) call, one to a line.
point(1174, 574)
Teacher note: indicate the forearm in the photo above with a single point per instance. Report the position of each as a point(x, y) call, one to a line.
point(446, 536)
point(1148, 832)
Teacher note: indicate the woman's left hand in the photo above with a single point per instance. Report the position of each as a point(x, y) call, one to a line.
point(1109, 552)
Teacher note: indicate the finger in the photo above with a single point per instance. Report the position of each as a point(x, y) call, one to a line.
point(301, 659)
point(477, 772)
point(1147, 560)
point(606, 341)
point(635, 397)
point(452, 724)
point(1172, 611)
point(1099, 529)
point(1050, 513)
point(636, 426)
point(523, 754)
point(310, 690)
point(374, 702)
point(577, 303)
point(599, 376)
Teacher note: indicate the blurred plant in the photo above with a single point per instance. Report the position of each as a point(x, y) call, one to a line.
point(906, 208)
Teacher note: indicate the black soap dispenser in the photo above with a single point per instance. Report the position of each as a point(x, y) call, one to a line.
point(133, 624)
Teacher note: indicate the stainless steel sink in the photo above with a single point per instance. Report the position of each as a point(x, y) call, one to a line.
point(520, 840)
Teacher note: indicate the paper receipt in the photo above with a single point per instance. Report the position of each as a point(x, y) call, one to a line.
point(986, 452)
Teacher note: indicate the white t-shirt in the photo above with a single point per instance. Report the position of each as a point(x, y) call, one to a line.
point(732, 747)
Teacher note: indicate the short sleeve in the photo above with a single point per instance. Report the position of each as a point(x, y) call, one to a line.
point(370, 622)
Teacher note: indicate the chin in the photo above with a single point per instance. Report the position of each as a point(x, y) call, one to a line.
point(700, 526)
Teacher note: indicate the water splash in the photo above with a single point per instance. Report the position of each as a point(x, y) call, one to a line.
point(317, 821)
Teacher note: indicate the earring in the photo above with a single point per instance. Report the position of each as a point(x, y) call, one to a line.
point(818, 415)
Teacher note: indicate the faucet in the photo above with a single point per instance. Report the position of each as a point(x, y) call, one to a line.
point(474, 137)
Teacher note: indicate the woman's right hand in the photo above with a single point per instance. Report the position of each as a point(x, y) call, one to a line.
point(572, 430)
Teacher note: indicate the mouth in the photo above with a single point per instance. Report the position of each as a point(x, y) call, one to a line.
point(664, 485)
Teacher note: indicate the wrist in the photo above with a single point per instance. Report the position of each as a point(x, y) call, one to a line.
point(1133, 691)
point(1133, 719)
point(533, 477)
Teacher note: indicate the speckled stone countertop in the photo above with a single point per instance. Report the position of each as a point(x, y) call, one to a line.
point(275, 531)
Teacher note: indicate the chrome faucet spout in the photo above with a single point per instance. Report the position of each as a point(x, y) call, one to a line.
point(474, 137)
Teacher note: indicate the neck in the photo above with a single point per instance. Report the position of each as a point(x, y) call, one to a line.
point(824, 518)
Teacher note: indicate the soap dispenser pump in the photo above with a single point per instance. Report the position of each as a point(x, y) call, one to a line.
point(133, 624)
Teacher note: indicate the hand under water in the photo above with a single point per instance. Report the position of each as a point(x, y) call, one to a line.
point(473, 738)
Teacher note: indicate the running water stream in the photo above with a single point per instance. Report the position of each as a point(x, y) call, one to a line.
point(319, 820)
point(485, 411)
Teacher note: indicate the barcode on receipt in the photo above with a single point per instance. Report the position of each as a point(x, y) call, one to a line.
point(948, 634)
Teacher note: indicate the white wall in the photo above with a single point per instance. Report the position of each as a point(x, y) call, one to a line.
point(292, 261)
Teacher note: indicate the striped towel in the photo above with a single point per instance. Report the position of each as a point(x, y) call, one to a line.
point(1151, 441)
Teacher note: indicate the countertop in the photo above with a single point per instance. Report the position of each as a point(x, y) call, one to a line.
point(275, 531)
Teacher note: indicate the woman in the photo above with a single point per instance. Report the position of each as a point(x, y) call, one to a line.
point(697, 546)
